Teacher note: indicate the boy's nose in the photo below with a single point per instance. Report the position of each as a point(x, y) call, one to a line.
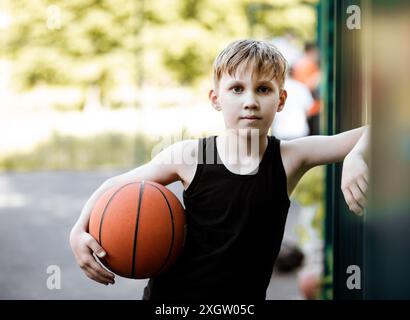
point(250, 102)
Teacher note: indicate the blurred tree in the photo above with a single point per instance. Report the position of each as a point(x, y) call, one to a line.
point(85, 43)
point(79, 43)
point(183, 40)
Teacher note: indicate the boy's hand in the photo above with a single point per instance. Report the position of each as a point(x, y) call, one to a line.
point(83, 246)
point(355, 180)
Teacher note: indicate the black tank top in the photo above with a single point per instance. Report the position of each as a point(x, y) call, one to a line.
point(235, 226)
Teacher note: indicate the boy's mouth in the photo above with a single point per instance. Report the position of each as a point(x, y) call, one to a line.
point(251, 118)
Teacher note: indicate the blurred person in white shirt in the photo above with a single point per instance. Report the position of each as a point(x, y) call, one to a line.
point(291, 122)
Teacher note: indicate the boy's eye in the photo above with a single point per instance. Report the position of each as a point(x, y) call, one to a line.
point(237, 89)
point(264, 89)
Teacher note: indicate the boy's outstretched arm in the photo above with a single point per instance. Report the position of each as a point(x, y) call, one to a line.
point(319, 150)
point(349, 147)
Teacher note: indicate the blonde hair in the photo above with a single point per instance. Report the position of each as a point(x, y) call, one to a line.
point(262, 55)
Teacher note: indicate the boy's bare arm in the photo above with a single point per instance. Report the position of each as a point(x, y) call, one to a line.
point(319, 150)
point(162, 169)
point(351, 147)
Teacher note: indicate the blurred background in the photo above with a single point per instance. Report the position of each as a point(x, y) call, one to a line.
point(88, 88)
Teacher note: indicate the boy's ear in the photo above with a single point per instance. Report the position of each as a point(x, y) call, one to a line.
point(214, 100)
point(283, 95)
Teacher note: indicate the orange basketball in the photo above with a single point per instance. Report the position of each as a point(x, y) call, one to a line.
point(141, 226)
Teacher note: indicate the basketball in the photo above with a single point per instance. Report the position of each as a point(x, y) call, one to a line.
point(141, 226)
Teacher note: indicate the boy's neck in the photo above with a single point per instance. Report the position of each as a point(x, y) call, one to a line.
point(248, 145)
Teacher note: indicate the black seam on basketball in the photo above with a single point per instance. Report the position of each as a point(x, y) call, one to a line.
point(172, 223)
point(134, 252)
point(105, 209)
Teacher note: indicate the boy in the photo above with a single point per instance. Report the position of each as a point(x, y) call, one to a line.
point(236, 210)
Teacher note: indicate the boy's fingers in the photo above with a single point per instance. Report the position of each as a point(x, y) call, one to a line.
point(348, 196)
point(362, 183)
point(95, 274)
point(94, 265)
point(358, 196)
point(91, 274)
point(95, 247)
point(366, 176)
point(351, 202)
point(356, 209)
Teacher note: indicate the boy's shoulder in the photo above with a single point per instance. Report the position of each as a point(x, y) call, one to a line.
point(187, 148)
point(292, 155)
point(185, 156)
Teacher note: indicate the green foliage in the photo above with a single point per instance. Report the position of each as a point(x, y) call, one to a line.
point(81, 43)
point(310, 191)
point(160, 42)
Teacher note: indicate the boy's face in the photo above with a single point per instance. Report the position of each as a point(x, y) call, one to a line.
point(248, 101)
